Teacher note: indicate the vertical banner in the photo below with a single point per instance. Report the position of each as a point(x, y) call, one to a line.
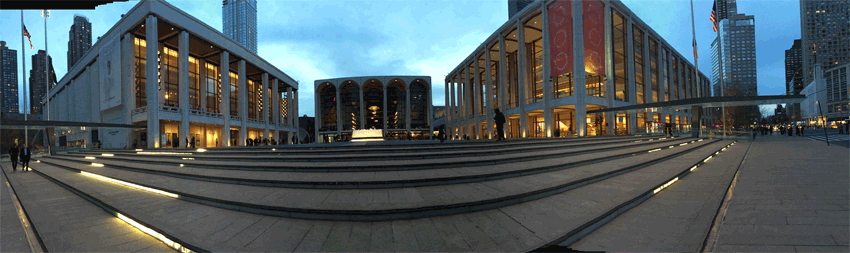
point(560, 38)
point(594, 37)
point(109, 64)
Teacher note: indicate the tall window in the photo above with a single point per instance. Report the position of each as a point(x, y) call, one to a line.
point(171, 77)
point(621, 82)
point(213, 84)
point(251, 94)
point(350, 106)
point(396, 104)
point(653, 68)
point(328, 107)
point(665, 69)
point(534, 52)
point(194, 84)
point(141, 62)
point(234, 94)
point(482, 102)
point(675, 75)
point(640, 86)
point(512, 69)
point(418, 105)
point(494, 75)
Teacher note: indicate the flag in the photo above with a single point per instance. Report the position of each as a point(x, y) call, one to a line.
point(713, 17)
point(695, 49)
point(27, 34)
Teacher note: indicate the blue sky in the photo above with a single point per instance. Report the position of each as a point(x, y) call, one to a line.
point(321, 39)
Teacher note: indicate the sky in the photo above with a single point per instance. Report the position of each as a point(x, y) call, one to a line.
point(321, 39)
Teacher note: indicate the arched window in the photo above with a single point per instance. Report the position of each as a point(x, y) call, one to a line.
point(373, 100)
point(418, 105)
point(327, 105)
point(349, 94)
point(396, 105)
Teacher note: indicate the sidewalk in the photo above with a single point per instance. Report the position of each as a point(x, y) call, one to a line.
point(791, 195)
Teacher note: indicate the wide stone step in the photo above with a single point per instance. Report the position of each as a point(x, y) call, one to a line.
point(377, 165)
point(381, 179)
point(360, 150)
point(385, 204)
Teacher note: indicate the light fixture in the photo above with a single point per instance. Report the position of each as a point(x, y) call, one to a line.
point(90, 157)
point(105, 154)
point(97, 164)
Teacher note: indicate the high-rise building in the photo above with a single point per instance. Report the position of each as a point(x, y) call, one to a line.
point(37, 80)
point(793, 69)
point(735, 53)
point(733, 58)
point(515, 6)
point(825, 31)
point(240, 22)
point(9, 78)
point(79, 39)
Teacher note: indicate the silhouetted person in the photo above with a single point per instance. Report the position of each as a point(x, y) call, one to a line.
point(441, 134)
point(274, 142)
point(846, 128)
point(13, 154)
point(265, 141)
point(248, 142)
point(257, 141)
point(790, 130)
point(135, 144)
point(192, 144)
point(25, 155)
point(294, 140)
point(500, 124)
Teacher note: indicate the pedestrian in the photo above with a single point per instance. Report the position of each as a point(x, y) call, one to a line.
point(274, 142)
point(441, 134)
point(13, 154)
point(754, 133)
point(248, 142)
point(193, 142)
point(135, 144)
point(257, 141)
point(500, 124)
point(846, 128)
point(266, 141)
point(294, 140)
point(25, 156)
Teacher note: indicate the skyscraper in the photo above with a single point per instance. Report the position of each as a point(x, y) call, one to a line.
point(733, 58)
point(825, 31)
point(9, 78)
point(79, 39)
point(240, 22)
point(515, 6)
point(793, 69)
point(735, 53)
point(37, 80)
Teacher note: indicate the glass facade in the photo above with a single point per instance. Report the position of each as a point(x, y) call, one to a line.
point(640, 85)
point(653, 68)
point(140, 47)
point(621, 82)
point(239, 18)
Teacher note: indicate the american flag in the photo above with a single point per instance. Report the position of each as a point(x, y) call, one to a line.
point(714, 16)
point(27, 34)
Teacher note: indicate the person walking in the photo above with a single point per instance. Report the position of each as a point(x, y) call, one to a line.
point(846, 128)
point(500, 124)
point(441, 134)
point(25, 157)
point(193, 142)
point(13, 154)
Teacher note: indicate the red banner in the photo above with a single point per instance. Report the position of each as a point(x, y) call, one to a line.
point(593, 13)
point(560, 38)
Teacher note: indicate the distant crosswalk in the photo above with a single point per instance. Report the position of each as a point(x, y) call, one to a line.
point(837, 137)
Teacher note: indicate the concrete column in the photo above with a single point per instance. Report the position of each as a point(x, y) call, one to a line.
point(275, 106)
point(243, 102)
point(548, 118)
point(476, 98)
point(129, 80)
point(318, 112)
point(696, 117)
point(183, 86)
point(266, 102)
point(338, 109)
point(406, 107)
point(647, 72)
point(385, 85)
point(295, 112)
point(610, 90)
point(630, 64)
point(452, 122)
point(447, 104)
point(580, 85)
point(362, 110)
point(224, 107)
point(503, 82)
point(488, 88)
point(151, 84)
point(522, 66)
point(429, 114)
point(662, 69)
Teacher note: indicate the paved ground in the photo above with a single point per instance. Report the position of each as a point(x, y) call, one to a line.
point(791, 195)
point(676, 219)
point(12, 234)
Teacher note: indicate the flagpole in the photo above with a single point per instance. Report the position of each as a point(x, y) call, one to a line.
point(46, 14)
point(696, 58)
point(24, 70)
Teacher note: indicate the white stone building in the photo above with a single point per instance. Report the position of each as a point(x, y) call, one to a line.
point(182, 96)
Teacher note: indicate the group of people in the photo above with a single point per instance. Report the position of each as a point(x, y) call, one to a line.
point(258, 142)
point(23, 154)
point(791, 130)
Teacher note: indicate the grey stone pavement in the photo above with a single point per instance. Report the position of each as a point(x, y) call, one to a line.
point(790, 195)
point(13, 238)
point(67, 222)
